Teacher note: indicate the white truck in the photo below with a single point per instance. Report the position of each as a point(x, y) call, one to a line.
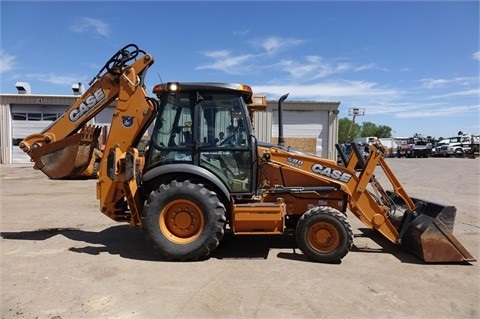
point(437, 147)
point(459, 146)
point(422, 147)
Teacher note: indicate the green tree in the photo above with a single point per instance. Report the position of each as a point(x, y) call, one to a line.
point(343, 127)
point(363, 130)
point(371, 129)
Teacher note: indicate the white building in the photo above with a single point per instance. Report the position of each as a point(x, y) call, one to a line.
point(308, 126)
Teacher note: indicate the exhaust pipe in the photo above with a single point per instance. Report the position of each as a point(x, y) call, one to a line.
point(281, 139)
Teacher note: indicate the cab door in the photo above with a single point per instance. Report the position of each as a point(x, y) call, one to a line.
point(225, 143)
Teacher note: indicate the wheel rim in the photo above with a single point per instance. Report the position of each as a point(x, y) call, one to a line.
point(181, 221)
point(323, 237)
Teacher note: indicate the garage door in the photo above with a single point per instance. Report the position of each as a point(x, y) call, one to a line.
point(306, 124)
point(28, 120)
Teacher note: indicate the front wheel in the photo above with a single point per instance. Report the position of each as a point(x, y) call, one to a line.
point(459, 153)
point(183, 221)
point(324, 234)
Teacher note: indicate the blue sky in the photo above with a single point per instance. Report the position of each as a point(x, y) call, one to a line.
point(412, 65)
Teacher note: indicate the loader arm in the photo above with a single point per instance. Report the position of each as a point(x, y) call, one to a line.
point(361, 202)
point(422, 227)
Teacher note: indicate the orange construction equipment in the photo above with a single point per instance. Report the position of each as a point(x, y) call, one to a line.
point(185, 166)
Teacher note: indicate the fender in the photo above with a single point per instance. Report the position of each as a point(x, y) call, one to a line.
point(187, 169)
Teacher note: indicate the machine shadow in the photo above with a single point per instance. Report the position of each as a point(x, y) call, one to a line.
point(119, 240)
point(385, 247)
point(256, 246)
point(127, 242)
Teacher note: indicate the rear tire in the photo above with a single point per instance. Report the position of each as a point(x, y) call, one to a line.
point(183, 221)
point(324, 234)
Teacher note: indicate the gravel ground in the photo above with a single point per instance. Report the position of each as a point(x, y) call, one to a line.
point(61, 258)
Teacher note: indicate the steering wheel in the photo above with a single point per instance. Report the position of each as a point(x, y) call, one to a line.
point(230, 141)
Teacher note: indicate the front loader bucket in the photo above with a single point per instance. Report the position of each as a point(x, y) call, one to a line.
point(427, 232)
point(69, 157)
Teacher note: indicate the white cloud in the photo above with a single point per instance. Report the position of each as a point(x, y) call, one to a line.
point(369, 95)
point(302, 69)
point(365, 67)
point(472, 92)
point(223, 60)
point(315, 78)
point(439, 112)
point(314, 67)
point(305, 69)
point(274, 44)
point(431, 83)
point(476, 56)
point(7, 61)
point(56, 79)
point(88, 24)
point(327, 91)
point(241, 33)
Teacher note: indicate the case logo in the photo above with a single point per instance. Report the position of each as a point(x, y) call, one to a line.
point(90, 103)
point(331, 173)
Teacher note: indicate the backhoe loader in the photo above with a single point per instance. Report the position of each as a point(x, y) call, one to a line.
point(201, 171)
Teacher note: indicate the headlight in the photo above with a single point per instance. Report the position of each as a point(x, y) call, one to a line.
point(173, 87)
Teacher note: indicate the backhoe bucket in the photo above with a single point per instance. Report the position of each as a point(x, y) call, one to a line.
point(69, 157)
point(427, 232)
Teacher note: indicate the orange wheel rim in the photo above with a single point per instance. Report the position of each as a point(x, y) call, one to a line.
point(323, 237)
point(181, 221)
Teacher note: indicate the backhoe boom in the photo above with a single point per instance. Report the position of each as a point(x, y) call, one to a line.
point(66, 147)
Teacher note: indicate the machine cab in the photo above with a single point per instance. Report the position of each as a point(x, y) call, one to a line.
point(206, 125)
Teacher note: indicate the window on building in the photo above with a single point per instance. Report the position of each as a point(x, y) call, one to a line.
point(19, 116)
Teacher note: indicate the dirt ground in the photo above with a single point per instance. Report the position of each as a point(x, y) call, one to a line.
point(61, 258)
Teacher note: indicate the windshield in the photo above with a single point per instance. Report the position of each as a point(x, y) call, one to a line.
point(208, 129)
point(219, 116)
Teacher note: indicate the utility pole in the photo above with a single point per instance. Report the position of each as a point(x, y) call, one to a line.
point(354, 112)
